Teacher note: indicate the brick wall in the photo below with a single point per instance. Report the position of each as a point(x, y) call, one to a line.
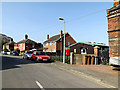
point(51, 47)
point(68, 38)
point(79, 46)
point(114, 30)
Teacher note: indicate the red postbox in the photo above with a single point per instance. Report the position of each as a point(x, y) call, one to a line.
point(67, 52)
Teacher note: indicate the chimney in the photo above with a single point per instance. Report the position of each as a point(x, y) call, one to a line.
point(26, 36)
point(61, 33)
point(116, 2)
point(47, 36)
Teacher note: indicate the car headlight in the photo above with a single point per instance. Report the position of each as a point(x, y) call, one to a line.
point(40, 57)
point(29, 55)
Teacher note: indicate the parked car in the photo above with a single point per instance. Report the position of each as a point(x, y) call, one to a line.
point(27, 54)
point(4, 52)
point(8, 53)
point(40, 56)
point(14, 53)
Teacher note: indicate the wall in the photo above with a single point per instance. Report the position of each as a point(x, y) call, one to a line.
point(114, 31)
point(90, 49)
point(50, 47)
point(68, 38)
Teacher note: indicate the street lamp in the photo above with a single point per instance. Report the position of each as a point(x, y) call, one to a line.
point(64, 41)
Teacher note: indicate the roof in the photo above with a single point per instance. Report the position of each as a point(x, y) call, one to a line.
point(54, 38)
point(26, 41)
point(92, 44)
point(11, 42)
point(115, 7)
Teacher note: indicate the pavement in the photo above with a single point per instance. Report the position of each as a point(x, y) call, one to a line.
point(19, 73)
point(106, 74)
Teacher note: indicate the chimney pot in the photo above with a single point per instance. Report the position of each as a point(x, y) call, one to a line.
point(26, 36)
point(47, 36)
point(61, 33)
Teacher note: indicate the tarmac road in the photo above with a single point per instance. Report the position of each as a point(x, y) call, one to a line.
point(20, 73)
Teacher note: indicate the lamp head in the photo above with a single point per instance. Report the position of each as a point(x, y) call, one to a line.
point(61, 18)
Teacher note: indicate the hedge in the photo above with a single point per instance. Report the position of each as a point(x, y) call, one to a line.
point(67, 60)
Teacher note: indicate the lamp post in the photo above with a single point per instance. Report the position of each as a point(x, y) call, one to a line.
point(64, 41)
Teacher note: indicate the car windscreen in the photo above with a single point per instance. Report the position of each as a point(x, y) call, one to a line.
point(40, 53)
point(15, 52)
point(29, 52)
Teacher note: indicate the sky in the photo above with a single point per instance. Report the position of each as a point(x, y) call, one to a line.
point(85, 21)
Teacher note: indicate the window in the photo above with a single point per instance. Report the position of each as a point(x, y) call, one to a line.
point(75, 50)
point(50, 43)
point(83, 51)
point(40, 53)
point(53, 50)
point(34, 53)
point(46, 44)
point(33, 45)
point(68, 43)
point(50, 50)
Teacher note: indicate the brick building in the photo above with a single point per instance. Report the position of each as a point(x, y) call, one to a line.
point(87, 48)
point(27, 44)
point(9, 46)
point(55, 43)
point(113, 15)
point(96, 49)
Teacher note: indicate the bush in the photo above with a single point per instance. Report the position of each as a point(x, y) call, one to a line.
point(107, 64)
point(67, 60)
point(21, 54)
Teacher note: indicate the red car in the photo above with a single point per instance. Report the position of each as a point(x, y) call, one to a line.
point(40, 56)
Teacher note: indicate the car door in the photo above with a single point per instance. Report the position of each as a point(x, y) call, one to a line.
point(34, 55)
point(26, 54)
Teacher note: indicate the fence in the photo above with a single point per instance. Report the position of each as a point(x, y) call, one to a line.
point(58, 57)
point(83, 59)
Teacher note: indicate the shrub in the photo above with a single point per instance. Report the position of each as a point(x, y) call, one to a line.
point(67, 60)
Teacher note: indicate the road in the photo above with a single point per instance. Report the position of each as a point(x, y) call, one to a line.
point(20, 73)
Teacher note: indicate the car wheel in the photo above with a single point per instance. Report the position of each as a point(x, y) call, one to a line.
point(27, 58)
point(36, 60)
point(31, 59)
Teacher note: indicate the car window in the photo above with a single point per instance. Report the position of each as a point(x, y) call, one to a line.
point(40, 53)
point(29, 52)
point(25, 51)
point(34, 53)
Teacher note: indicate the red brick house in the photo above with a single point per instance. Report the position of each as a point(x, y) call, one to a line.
point(9, 46)
point(55, 43)
point(113, 15)
point(27, 44)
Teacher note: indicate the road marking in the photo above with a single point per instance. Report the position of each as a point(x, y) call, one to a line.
point(39, 85)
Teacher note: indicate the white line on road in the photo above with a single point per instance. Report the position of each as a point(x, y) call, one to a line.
point(39, 85)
